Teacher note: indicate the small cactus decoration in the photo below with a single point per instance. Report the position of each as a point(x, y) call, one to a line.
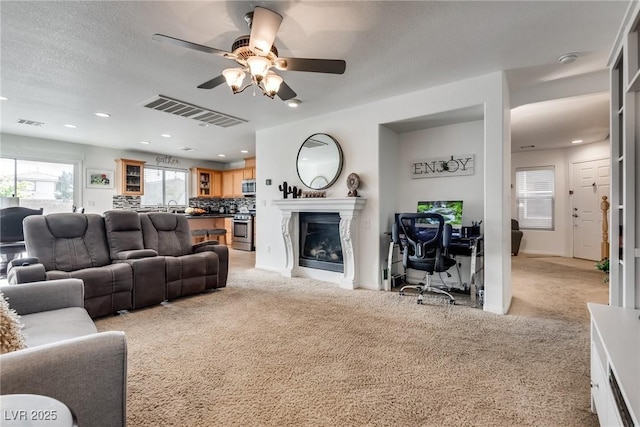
point(286, 190)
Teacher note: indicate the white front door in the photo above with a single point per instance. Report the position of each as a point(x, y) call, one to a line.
point(590, 181)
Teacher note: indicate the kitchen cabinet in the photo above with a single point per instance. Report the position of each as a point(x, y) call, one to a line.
point(249, 173)
point(130, 177)
point(232, 182)
point(206, 183)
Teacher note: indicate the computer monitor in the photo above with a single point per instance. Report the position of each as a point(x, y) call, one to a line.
point(451, 210)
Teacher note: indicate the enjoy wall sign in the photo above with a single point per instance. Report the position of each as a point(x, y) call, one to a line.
point(443, 166)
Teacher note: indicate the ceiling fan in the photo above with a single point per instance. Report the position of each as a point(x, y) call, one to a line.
point(257, 55)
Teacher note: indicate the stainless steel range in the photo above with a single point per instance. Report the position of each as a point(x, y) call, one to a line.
point(243, 236)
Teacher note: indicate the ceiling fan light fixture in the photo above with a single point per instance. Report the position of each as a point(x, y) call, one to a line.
point(234, 78)
point(259, 66)
point(271, 83)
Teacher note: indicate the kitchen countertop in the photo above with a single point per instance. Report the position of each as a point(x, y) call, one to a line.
point(212, 215)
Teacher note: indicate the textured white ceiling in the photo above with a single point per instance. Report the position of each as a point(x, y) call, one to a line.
point(64, 60)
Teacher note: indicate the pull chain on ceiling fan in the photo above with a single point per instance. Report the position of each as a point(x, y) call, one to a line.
point(257, 55)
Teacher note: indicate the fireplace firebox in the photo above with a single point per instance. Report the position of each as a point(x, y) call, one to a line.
point(320, 245)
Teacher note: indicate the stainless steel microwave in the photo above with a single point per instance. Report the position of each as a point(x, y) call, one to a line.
point(248, 187)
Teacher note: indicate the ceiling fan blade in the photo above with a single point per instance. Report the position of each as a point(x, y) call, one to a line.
point(331, 66)
point(183, 43)
point(213, 83)
point(285, 92)
point(264, 28)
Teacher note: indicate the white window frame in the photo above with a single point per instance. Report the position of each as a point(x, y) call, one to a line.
point(164, 170)
point(536, 196)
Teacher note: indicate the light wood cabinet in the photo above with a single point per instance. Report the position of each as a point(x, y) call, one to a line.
point(232, 182)
point(130, 177)
point(206, 183)
point(249, 173)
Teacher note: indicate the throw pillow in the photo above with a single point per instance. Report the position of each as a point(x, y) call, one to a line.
point(11, 338)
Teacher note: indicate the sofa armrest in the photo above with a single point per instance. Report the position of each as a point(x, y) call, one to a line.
point(88, 374)
point(26, 273)
point(223, 257)
point(136, 254)
point(35, 297)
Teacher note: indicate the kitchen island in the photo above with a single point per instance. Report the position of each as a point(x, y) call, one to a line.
point(212, 221)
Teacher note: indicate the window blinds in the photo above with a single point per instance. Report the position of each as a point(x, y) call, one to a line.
point(535, 198)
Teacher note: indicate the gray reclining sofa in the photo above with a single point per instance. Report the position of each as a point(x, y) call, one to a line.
point(126, 260)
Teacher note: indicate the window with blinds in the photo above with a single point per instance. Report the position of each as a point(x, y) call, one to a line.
point(535, 197)
point(163, 185)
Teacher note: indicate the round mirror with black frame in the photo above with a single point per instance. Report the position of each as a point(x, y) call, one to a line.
point(319, 161)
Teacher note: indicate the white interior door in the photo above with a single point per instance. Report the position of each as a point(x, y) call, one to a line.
point(590, 181)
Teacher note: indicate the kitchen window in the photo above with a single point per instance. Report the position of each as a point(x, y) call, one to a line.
point(164, 186)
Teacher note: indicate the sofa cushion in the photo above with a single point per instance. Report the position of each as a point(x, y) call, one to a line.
point(56, 325)
point(11, 337)
point(166, 233)
point(124, 233)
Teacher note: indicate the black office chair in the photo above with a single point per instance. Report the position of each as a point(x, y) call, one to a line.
point(424, 248)
point(11, 237)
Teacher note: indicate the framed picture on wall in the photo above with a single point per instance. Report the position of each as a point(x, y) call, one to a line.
point(99, 178)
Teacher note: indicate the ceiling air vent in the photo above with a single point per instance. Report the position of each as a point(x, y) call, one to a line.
point(184, 109)
point(30, 122)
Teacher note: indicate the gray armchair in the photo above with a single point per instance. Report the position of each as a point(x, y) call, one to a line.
point(66, 357)
point(516, 237)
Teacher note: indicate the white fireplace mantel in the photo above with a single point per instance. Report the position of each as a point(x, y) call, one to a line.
point(349, 209)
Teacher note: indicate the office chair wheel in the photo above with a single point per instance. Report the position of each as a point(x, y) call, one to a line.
point(420, 299)
point(420, 302)
point(401, 293)
point(452, 302)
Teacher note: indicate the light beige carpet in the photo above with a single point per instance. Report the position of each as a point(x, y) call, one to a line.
point(266, 351)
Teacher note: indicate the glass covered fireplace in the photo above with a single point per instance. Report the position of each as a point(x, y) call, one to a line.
point(320, 245)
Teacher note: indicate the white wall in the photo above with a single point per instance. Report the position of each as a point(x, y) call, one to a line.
point(364, 141)
point(462, 138)
point(83, 157)
point(558, 242)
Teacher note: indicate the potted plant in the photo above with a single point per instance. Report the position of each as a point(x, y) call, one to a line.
point(603, 265)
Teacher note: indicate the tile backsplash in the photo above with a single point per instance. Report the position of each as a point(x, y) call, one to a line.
point(211, 205)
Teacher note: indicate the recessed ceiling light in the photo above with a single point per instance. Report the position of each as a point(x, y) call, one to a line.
point(103, 115)
point(305, 158)
point(222, 155)
point(145, 142)
point(204, 125)
point(3, 98)
point(293, 103)
point(244, 151)
point(165, 135)
point(568, 58)
point(577, 141)
point(70, 126)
